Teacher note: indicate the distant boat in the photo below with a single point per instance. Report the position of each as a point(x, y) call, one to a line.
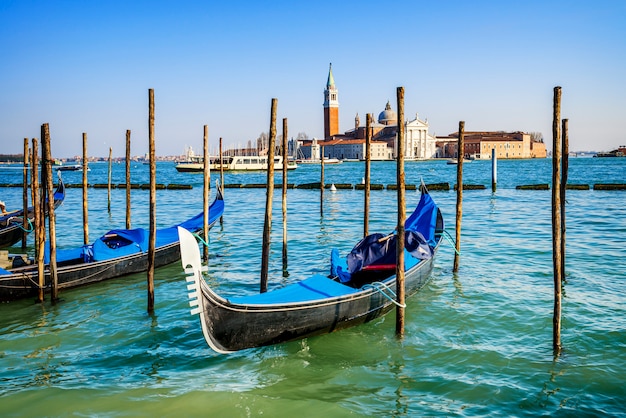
point(319, 161)
point(117, 253)
point(73, 167)
point(192, 163)
point(249, 163)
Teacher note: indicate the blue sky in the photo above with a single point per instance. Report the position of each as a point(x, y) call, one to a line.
point(86, 66)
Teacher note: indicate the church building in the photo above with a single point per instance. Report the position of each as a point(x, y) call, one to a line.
point(419, 144)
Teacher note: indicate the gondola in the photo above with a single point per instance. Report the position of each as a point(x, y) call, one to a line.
point(358, 289)
point(12, 223)
point(117, 253)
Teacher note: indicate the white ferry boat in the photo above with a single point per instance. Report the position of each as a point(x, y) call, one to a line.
point(248, 163)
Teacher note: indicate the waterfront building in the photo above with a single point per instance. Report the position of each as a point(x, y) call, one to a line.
point(419, 144)
point(479, 145)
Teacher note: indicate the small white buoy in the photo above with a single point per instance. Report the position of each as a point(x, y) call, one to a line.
point(362, 180)
point(333, 188)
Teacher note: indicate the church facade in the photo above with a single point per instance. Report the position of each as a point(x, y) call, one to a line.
point(419, 144)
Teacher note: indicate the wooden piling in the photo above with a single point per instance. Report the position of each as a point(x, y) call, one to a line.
point(51, 216)
point(221, 166)
point(459, 195)
point(152, 236)
point(284, 194)
point(25, 225)
point(556, 220)
point(128, 204)
point(39, 225)
point(109, 180)
point(322, 180)
point(368, 160)
point(565, 167)
point(267, 226)
point(85, 193)
point(221, 177)
point(205, 194)
point(494, 169)
point(400, 290)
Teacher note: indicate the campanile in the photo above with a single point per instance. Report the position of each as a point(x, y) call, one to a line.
point(331, 107)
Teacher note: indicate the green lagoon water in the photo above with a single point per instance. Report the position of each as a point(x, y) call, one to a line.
point(477, 343)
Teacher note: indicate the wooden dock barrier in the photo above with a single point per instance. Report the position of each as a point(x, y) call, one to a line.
point(543, 186)
point(609, 186)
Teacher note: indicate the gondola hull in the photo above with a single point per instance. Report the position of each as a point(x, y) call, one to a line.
point(231, 327)
point(23, 282)
point(12, 225)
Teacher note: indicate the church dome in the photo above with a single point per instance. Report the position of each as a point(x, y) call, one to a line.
point(388, 116)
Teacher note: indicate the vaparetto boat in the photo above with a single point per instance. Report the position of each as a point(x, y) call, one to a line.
point(358, 289)
point(117, 253)
point(249, 163)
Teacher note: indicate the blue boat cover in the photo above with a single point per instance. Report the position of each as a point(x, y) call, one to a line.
point(313, 288)
point(378, 251)
point(123, 242)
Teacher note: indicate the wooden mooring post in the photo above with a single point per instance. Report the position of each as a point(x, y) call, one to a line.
point(267, 225)
point(284, 195)
point(556, 220)
point(205, 194)
point(321, 180)
point(109, 179)
point(51, 216)
point(366, 186)
point(25, 195)
point(494, 169)
point(40, 237)
point(459, 195)
point(565, 146)
point(152, 235)
point(85, 193)
point(221, 177)
point(400, 290)
point(128, 204)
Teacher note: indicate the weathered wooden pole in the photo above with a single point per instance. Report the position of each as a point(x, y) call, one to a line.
point(221, 167)
point(152, 236)
point(205, 194)
point(25, 225)
point(565, 141)
point(85, 192)
point(221, 177)
point(128, 204)
point(459, 194)
point(51, 216)
point(284, 193)
point(322, 180)
point(400, 291)
point(267, 226)
point(40, 237)
point(366, 186)
point(494, 169)
point(109, 180)
point(556, 220)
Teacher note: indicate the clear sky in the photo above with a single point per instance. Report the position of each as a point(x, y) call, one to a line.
point(86, 66)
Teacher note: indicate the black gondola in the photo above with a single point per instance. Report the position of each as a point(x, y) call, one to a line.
point(117, 253)
point(358, 290)
point(12, 223)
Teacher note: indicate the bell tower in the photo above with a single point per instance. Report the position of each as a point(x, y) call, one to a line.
point(331, 107)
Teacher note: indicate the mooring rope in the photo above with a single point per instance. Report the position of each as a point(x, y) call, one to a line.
point(447, 236)
point(377, 286)
point(199, 238)
point(19, 224)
